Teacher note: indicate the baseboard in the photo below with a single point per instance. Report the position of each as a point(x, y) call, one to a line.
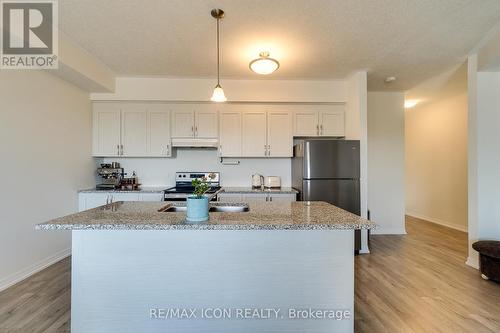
point(437, 221)
point(388, 231)
point(472, 262)
point(35, 268)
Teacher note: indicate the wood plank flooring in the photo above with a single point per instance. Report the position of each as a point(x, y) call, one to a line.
point(412, 283)
point(420, 283)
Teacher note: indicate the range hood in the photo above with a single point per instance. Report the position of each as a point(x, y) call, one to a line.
point(195, 143)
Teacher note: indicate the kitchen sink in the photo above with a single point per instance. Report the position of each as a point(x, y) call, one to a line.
point(215, 208)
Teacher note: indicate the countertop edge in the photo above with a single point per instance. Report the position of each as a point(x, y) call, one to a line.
point(160, 227)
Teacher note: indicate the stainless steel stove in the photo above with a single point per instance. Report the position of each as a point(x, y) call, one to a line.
point(183, 187)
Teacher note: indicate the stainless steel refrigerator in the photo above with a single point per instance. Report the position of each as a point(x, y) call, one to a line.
point(328, 170)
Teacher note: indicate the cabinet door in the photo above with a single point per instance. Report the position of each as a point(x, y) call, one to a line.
point(134, 130)
point(159, 141)
point(91, 200)
point(183, 121)
point(332, 121)
point(279, 133)
point(254, 197)
point(305, 123)
point(254, 133)
point(124, 197)
point(283, 197)
point(229, 197)
point(230, 133)
point(206, 123)
point(106, 129)
point(151, 196)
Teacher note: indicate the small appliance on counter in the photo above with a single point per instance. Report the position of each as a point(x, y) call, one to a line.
point(112, 175)
point(257, 181)
point(272, 182)
point(130, 183)
point(183, 187)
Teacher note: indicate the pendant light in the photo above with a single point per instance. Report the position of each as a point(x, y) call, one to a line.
point(218, 95)
point(264, 65)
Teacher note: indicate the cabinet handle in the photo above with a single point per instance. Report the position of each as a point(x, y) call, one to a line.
point(121, 146)
point(192, 130)
point(267, 198)
point(196, 131)
point(321, 129)
point(317, 129)
point(268, 150)
point(117, 149)
point(270, 198)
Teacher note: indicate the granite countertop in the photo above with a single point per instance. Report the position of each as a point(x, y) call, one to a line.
point(142, 189)
point(300, 215)
point(282, 190)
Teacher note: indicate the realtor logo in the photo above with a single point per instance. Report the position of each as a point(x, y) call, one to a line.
point(29, 34)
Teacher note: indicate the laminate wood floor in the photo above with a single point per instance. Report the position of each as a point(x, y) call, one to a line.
point(419, 283)
point(412, 283)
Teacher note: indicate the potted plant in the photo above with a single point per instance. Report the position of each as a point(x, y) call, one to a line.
point(197, 204)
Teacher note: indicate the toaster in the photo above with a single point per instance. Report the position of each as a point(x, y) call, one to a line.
point(272, 181)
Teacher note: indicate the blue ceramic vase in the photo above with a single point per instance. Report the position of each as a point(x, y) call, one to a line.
point(197, 209)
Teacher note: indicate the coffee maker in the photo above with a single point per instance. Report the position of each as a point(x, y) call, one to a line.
point(112, 175)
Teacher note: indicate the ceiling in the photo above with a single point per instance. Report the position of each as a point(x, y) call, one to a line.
point(314, 39)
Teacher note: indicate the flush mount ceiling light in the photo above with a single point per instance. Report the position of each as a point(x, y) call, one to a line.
point(390, 79)
point(264, 65)
point(218, 95)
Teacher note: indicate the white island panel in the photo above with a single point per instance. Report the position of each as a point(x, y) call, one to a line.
point(120, 276)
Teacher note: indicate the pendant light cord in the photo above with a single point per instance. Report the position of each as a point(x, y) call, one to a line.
point(218, 78)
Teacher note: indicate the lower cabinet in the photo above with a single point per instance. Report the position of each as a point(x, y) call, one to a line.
point(95, 199)
point(269, 197)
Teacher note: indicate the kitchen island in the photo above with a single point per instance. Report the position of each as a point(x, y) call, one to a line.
point(279, 267)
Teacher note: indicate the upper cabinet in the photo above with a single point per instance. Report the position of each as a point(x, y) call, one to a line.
point(240, 130)
point(319, 120)
point(255, 131)
point(194, 121)
point(279, 132)
point(106, 129)
point(229, 133)
point(131, 129)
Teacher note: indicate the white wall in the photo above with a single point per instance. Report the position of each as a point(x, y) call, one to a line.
point(436, 152)
point(161, 171)
point(45, 149)
point(198, 90)
point(484, 157)
point(386, 194)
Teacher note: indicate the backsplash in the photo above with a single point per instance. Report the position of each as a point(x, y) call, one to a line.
point(160, 171)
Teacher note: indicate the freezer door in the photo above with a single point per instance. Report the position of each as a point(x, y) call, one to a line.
point(343, 193)
point(331, 159)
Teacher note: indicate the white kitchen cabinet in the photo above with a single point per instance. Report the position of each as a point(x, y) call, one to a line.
point(230, 133)
point(206, 123)
point(92, 200)
point(279, 133)
point(134, 128)
point(306, 123)
point(229, 197)
point(129, 129)
point(159, 142)
point(254, 197)
point(151, 196)
point(282, 197)
point(319, 120)
point(89, 200)
point(254, 133)
point(331, 122)
point(194, 121)
point(106, 130)
point(183, 121)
